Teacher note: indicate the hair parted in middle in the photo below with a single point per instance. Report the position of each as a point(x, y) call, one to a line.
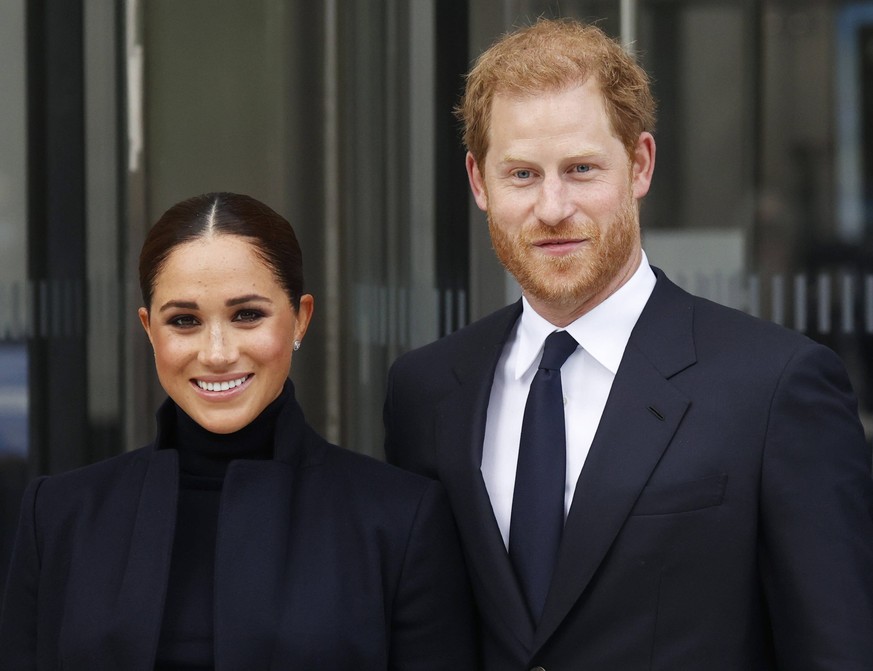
point(553, 55)
point(224, 213)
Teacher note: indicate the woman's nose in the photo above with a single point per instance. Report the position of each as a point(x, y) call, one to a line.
point(219, 348)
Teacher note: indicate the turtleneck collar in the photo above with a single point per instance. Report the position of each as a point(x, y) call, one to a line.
point(206, 454)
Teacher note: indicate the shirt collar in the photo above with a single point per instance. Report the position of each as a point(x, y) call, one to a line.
point(603, 332)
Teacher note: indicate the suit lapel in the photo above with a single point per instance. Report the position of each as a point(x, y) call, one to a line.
point(460, 432)
point(639, 420)
point(629, 442)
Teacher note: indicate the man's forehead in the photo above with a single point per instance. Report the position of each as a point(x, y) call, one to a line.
point(520, 107)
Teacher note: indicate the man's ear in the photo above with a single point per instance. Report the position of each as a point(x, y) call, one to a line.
point(643, 164)
point(477, 182)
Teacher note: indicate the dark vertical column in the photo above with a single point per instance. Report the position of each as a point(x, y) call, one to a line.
point(306, 190)
point(662, 58)
point(452, 213)
point(56, 234)
point(757, 64)
point(865, 56)
point(863, 378)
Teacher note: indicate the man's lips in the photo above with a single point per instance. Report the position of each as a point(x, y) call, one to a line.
point(560, 246)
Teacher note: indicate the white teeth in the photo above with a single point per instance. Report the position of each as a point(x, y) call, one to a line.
point(221, 386)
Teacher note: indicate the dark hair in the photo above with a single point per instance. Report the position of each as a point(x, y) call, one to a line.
point(224, 214)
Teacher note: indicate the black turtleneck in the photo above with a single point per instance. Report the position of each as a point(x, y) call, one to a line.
point(186, 642)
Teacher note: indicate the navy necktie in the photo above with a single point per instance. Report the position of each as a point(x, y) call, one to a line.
point(538, 501)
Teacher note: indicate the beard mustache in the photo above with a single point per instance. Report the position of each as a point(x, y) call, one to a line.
point(571, 279)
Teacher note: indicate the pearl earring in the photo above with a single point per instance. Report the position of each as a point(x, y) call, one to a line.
point(296, 345)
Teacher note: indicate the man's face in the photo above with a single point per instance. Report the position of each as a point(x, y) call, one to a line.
point(561, 196)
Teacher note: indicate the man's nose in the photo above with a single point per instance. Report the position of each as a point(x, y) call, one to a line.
point(219, 348)
point(553, 204)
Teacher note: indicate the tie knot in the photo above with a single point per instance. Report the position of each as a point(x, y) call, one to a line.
point(559, 346)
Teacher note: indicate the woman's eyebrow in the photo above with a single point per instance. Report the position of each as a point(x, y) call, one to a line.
point(183, 305)
point(248, 298)
point(231, 302)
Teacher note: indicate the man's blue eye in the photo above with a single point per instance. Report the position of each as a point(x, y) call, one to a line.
point(522, 174)
point(582, 168)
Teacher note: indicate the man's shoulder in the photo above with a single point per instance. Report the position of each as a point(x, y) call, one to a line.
point(677, 328)
point(727, 324)
point(710, 317)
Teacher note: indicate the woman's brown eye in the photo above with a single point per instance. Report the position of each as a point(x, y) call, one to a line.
point(248, 315)
point(183, 321)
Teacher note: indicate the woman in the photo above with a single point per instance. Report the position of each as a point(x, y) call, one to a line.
point(239, 539)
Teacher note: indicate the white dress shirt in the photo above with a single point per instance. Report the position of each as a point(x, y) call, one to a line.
point(586, 379)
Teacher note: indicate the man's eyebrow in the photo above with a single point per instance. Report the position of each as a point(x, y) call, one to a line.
point(582, 154)
point(512, 158)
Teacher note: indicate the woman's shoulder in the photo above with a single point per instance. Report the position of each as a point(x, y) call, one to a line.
point(373, 470)
point(369, 478)
point(113, 471)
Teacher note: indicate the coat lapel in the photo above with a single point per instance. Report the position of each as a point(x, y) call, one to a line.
point(250, 567)
point(252, 548)
point(460, 431)
point(639, 420)
point(141, 597)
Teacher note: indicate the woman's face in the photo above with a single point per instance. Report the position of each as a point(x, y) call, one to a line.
point(223, 331)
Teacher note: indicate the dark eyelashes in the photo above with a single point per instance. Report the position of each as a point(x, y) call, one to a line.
point(189, 321)
point(248, 315)
point(182, 321)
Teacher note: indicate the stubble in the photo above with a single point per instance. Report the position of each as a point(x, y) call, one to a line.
point(572, 280)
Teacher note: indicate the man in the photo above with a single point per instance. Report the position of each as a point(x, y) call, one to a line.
point(715, 481)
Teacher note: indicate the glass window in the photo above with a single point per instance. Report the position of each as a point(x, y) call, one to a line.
point(762, 194)
point(14, 291)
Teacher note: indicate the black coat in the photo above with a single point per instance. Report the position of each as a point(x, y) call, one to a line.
point(325, 559)
point(724, 516)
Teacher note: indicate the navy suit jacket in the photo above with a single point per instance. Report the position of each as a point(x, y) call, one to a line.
point(723, 519)
point(325, 559)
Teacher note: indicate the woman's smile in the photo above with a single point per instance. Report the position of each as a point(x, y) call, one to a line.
point(223, 331)
point(216, 386)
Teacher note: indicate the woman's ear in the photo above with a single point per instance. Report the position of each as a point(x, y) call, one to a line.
point(144, 320)
point(304, 315)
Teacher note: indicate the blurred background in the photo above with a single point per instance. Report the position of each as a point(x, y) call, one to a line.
point(338, 115)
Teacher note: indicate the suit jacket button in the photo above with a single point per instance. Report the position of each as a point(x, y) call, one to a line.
point(538, 668)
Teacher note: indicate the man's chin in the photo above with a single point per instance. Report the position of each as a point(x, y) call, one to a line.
point(559, 294)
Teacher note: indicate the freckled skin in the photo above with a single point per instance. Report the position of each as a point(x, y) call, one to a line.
point(218, 314)
point(561, 194)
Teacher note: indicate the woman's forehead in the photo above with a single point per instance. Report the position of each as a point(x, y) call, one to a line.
point(214, 257)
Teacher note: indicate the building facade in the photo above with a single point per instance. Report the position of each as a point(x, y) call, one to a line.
point(338, 114)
